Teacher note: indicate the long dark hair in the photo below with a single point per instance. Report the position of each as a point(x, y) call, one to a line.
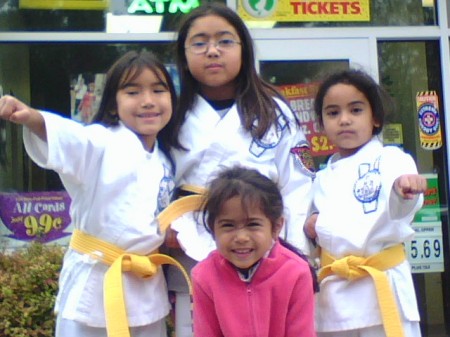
point(253, 188)
point(254, 96)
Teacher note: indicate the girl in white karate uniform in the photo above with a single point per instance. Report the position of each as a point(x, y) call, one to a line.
point(119, 176)
point(366, 199)
point(231, 116)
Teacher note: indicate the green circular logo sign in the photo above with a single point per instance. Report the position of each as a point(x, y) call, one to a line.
point(260, 8)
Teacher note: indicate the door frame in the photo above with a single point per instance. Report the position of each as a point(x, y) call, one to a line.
point(360, 52)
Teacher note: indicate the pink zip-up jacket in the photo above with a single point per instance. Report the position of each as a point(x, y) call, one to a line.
point(277, 302)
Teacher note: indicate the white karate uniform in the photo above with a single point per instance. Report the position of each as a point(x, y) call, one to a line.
point(360, 214)
point(215, 143)
point(117, 189)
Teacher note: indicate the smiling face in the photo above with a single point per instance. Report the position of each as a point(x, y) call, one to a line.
point(347, 118)
point(243, 237)
point(144, 106)
point(215, 70)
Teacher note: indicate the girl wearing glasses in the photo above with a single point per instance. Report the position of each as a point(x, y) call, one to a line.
point(230, 116)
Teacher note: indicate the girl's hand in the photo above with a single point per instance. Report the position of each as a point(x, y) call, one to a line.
point(13, 110)
point(408, 185)
point(310, 226)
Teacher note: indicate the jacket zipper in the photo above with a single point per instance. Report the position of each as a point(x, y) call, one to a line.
point(252, 310)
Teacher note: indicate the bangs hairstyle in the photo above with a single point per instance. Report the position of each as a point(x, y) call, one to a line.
point(254, 96)
point(122, 72)
point(254, 189)
point(380, 101)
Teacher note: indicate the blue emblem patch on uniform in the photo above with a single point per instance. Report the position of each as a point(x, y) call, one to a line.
point(270, 140)
point(367, 188)
point(302, 155)
point(166, 189)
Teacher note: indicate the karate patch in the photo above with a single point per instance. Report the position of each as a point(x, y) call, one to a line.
point(166, 189)
point(270, 139)
point(367, 188)
point(303, 157)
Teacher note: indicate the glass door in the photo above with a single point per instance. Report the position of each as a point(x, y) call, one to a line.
point(296, 67)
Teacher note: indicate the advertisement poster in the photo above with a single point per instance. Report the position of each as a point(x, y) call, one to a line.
point(426, 250)
point(393, 134)
point(301, 99)
point(86, 92)
point(429, 120)
point(34, 216)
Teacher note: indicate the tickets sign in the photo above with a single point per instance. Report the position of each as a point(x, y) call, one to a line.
point(34, 216)
point(304, 10)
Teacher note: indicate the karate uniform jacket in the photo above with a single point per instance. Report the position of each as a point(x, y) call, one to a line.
point(277, 302)
point(361, 215)
point(215, 143)
point(117, 188)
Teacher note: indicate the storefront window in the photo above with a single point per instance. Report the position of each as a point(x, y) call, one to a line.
point(43, 75)
point(307, 76)
point(21, 16)
point(29, 15)
point(410, 71)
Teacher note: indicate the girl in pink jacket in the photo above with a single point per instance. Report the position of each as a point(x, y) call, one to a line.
point(254, 284)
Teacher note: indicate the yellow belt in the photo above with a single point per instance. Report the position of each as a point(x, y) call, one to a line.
point(120, 261)
point(181, 206)
point(354, 267)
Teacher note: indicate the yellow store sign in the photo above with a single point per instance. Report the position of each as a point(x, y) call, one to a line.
point(304, 10)
point(64, 4)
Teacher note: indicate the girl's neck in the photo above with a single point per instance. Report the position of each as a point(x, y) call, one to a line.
point(348, 153)
point(148, 143)
point(220, 104)
point(219, 93)
point(246, 274)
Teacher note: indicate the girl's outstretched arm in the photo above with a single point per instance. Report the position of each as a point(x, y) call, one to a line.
point(408, 185)
point(13, 110)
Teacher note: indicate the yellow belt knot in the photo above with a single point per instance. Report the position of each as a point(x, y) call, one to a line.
point(120, 261)
point(139, 265)
point(353, 267)
point(348, 267)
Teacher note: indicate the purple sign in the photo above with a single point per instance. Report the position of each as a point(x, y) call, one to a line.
point(35, 216)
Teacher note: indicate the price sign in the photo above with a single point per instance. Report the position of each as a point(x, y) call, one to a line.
point(321, 144)
point(41, 225)
point(425, 251)
point(42, 216)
